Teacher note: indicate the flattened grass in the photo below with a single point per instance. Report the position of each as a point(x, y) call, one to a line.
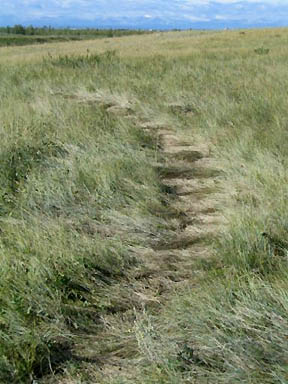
point(234, 328)
point(79, 191)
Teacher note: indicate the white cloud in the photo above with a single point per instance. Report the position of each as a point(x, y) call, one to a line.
point(221, 17)
point(26, 11)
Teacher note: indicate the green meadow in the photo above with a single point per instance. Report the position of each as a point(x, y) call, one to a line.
point(20, 36)
point(83, 200)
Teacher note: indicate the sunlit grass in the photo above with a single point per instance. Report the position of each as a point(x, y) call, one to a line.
point(79, 192)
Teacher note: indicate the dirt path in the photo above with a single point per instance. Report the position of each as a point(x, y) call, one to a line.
point(190, 175)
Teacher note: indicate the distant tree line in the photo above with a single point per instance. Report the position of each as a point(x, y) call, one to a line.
point(19, 29)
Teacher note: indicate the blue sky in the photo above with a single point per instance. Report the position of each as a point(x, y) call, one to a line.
point(146, 13)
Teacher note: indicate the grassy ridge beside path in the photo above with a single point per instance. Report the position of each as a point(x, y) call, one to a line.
point(76, 199)
point(81, 201)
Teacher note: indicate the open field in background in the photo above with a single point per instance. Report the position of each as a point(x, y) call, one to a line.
point(82, 201)
point(7, 41)
point(30, 36)
point(169, 44)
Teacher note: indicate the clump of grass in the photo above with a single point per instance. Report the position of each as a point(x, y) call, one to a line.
point(262, 51)
point(80, 61)
point(225, 333)
point(74, 61)
point(18, 162)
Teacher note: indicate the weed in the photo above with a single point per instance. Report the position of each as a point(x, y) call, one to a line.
point(262, 51)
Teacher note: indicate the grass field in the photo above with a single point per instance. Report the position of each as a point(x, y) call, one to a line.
point(82, 202)
point(43, 36)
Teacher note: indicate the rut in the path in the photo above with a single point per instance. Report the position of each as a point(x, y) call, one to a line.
point(191, 175)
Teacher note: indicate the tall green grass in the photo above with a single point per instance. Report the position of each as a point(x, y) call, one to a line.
point(79, 192)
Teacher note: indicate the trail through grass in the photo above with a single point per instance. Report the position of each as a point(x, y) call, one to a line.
point(137, 180)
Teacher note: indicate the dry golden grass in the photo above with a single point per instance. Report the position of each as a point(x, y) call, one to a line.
point(168, 44)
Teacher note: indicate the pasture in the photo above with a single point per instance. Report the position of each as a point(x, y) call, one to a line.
point(138, 175)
